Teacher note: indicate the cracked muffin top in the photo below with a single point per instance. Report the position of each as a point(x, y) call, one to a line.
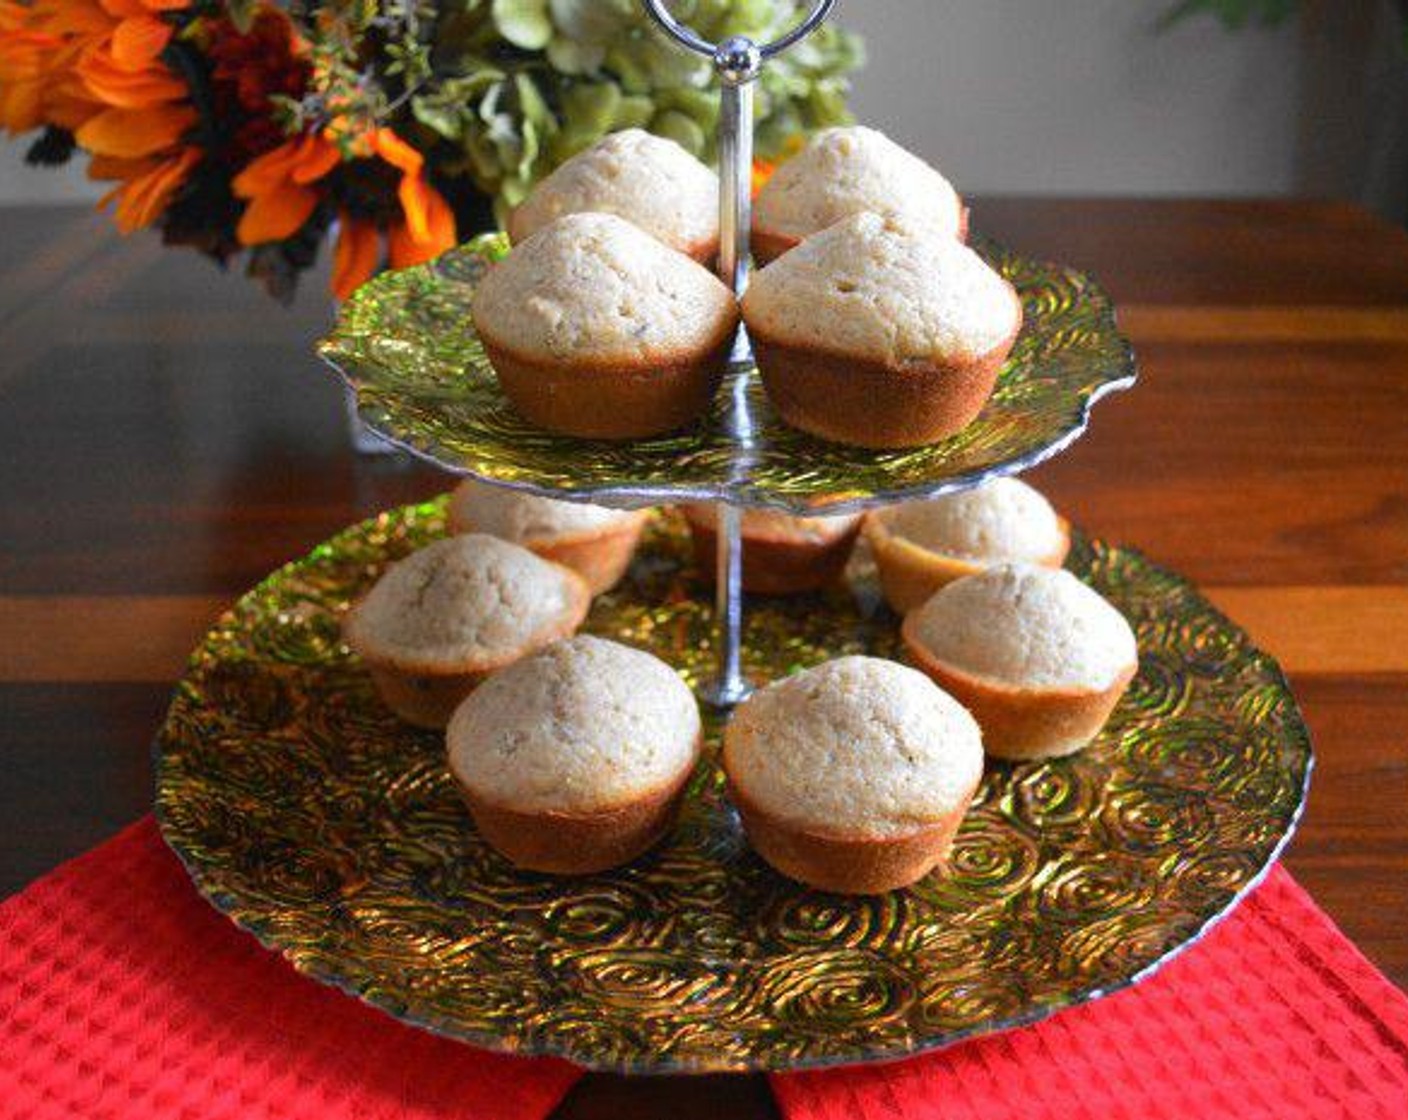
point(650, 181)
point(1026, 626)
point(585, 725)
point(858, 746)
point(853, 170)
point(468, 602)
point(593, 289)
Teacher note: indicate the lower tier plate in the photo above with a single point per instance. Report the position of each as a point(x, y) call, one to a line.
point(306, 812)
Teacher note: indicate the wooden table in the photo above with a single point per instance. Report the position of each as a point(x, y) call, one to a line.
point(168, 439)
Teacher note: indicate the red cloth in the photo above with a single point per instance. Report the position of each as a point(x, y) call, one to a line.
point(1275, 1016)
point(122, 994)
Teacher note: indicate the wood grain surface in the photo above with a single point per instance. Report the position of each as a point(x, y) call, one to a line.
point(167, 439)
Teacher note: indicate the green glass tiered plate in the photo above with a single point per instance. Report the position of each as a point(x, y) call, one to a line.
point(405, 343)
point(305, 811)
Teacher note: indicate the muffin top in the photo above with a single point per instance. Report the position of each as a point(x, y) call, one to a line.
point(594, 287)
point(646, 179)
point(1002, 520)
point(774, 525)
point(462, 603)
point(1028, 627)
point(877, 289)
point(527, 518)
point(855, 746)
point(846, 171)
point(584, 725)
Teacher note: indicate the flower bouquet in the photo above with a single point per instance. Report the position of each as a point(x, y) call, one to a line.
point(400, 126)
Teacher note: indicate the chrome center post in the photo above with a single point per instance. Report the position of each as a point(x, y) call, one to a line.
point(737, 61)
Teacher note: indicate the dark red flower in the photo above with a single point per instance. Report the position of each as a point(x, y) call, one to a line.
point(247, 70)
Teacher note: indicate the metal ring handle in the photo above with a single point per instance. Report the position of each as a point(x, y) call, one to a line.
point(687, 38)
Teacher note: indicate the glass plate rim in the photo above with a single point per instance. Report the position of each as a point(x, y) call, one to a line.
point(1119, 375)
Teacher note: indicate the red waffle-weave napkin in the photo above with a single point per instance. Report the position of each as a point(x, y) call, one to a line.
point(1275, 1015)
point(122, 994)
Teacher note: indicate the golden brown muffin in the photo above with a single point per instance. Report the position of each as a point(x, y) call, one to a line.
point(575, 760)
point(594, 541)
point(846, 171)
point(438, 622)
point(1038, 657)
point(877, 334)
point(650, 181)
point(782, 554)
point(596, 329)
point(853, 776)
point(921, 546)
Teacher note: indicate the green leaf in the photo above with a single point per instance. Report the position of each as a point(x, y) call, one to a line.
point(531, 102)
point(591, 21)
point(524, 23)
point(572, 56)
point(701, 104)
point(591, 107)
point(682, 130)
point(633, 112)
point(439, 118)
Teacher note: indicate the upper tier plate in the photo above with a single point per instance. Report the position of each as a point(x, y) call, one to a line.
point(405, 343)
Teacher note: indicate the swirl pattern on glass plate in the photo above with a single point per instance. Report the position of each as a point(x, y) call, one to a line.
point(306, 812)
point(405, 342)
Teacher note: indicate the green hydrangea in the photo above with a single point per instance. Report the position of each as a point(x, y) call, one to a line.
point(517, 86)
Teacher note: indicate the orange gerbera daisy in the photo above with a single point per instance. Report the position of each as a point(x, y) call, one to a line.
point(429, 225)
point(24, 55)
point(94, 67)
point(282, 193)
point(146, 187)
point(143, 104)
point(279, 187)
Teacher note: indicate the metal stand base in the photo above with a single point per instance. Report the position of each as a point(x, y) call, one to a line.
point(725, 695)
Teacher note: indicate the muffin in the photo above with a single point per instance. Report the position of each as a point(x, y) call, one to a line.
point(847, 171)
point(1039, 658)
point(437, 623)
point(921, 546)
point(595, 542)
point(576, 759)
point(648, 180)
point(853, 776)
point(876, 334)
point(596, 329)
point(782, 554)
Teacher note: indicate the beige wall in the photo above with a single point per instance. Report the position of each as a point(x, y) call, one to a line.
point(1072, 96)
point(1081, 96)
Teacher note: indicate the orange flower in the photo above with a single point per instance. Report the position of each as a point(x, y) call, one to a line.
point(133, 133)
point(23, 56)
point(147, 186)
point(357, 256)
point(426, 229)
point(59, 44)
point(94, 67)
point(762, 172)
point(763, 169)
point(429, 225)
point(280, 190)
point(115, 84)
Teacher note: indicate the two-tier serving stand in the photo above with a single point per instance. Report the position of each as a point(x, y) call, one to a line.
point(743, 456)
point(334, 833)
